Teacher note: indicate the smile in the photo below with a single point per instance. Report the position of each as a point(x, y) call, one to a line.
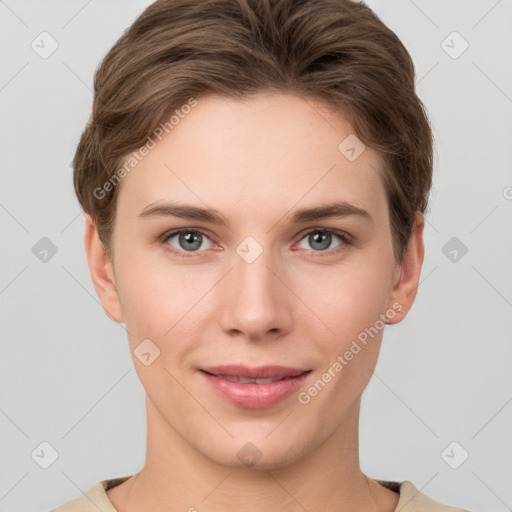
point(256, 392)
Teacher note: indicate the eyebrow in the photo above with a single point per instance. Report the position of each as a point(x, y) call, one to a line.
point(330, 210)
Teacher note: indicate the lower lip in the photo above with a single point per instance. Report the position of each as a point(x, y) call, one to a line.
point(255, 396)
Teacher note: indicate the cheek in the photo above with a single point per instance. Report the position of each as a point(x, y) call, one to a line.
point(351, 308)
point(350, 300)
point(159, 296)
point(348, 297)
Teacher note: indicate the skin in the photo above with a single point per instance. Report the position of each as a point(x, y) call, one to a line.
point(255, 161)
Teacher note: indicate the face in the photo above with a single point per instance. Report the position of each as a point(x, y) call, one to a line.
point(260, 282)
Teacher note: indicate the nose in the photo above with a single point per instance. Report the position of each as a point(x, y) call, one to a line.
point(255, 304)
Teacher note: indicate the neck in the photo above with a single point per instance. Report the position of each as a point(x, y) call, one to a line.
point(177, 477)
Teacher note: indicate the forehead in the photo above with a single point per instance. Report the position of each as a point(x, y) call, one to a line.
point(265, 153)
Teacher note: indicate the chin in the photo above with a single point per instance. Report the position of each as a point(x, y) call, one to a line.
point(260, 454)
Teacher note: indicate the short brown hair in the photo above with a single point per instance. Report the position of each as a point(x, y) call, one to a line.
point(338, 51)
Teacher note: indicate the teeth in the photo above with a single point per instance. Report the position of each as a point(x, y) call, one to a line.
point(245, 380)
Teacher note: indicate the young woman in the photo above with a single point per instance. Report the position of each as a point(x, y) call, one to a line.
point(255, 175)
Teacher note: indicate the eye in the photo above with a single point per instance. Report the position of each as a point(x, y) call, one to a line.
point(186, 241)
point(321, 239)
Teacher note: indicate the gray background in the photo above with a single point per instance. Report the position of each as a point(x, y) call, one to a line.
point(444, 374)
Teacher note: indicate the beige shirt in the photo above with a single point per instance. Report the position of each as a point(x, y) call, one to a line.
point(411, 500)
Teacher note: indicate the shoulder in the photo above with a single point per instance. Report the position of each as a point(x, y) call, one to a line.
point(94, 499)
point(415, 500)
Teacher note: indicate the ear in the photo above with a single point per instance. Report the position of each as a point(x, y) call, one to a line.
point(101, 271)
point(407, 274)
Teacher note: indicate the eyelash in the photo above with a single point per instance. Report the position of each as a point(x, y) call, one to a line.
point(344, 238)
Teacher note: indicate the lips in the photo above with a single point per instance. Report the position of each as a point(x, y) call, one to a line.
point(273, 372)
point(245, 380)
point(254, 388)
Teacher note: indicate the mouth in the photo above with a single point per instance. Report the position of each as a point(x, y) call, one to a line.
point(246, 380)
point(254, 388)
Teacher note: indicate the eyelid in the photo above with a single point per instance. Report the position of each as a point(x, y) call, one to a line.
point(338, 232)
point(346, 239)
point(172, 233)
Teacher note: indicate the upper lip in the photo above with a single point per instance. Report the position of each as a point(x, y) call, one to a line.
point(257, 372)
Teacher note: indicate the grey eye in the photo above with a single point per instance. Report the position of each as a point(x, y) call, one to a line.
point(320, 240)
point(188, 240)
